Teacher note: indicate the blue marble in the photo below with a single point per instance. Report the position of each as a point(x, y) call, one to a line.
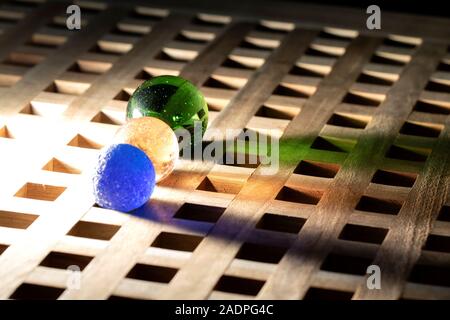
point(124, 178)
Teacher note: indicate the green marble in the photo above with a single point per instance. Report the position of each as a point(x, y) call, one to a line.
point(172, 99)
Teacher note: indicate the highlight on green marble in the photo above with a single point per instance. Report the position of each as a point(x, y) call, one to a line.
point(172, 99)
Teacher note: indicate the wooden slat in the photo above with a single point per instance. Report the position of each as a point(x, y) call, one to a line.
point(337, 199)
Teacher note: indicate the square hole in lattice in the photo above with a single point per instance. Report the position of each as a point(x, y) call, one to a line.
point(288, 92)
point(283, 113)
point(3, 247)
point(431, 275)
point(346, 264)
point(347, 121)
point(307, 196)
point(83, 142)
point(376, 58)
point(272, 28)
point(353, 98)
point(40, 192)
point(61, 260)
point(128, 32)
point(371, 79)
point(166, 55)
point(211, 20)
point(104, 50)
point(52, 88)
point(327, 294)
point(317, 169)
point(437, 87)
point(93, 230)
point(443, 66)
point(147, 272)
point(280, 223)
point(421, 129)
point(433, 108)
point(318, 53)
point(231, 186)
point(402, 153)
point(16, 220)
point(215, 83)
point(44, 109)
point(394, 178)
point(5, 133)
point(230, 63)
point(143, 75)
point(199, 212)
point(190, 38)
point(149, 13)
point(354, 232)
point(371, 204)
point(107, 117)
point(261, 253)
point(28, 291)
point(122, 96)
point(194, 34)
point(437, 243)
point(177, 241)
point(305, 72)
point(398, 43)
point(87, 67)
point(444, 214)
point(331, 145)
point(56, 165)
point(239, 285)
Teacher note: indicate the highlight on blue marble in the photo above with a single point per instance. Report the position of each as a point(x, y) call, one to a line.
point(124, 178)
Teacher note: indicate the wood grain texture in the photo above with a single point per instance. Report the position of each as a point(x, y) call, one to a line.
point(362, 120)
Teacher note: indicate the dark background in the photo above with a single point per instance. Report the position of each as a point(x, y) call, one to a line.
point(426, 7)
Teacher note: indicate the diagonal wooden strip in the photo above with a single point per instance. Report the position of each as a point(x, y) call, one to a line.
point(117, 259)
point(244, 211)
point(295, 271)
point(402, 246)
point(40, 76)
point(70, 203)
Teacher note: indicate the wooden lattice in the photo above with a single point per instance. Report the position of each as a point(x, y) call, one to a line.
point(364, 116)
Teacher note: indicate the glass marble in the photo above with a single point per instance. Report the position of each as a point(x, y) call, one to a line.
point(172, 99)
point(156, 139)
point(124, 178)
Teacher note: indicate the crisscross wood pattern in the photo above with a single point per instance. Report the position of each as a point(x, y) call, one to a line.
point(363, 124)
